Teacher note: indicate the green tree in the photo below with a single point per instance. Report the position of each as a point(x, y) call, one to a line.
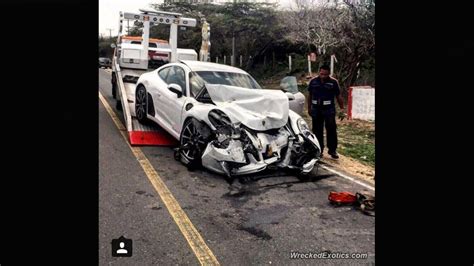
point(341, 28)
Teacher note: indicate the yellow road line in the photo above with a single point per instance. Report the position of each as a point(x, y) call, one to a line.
point(195, 240)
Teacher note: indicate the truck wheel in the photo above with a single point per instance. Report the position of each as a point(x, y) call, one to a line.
point(141, 104)
point(118, 105)
point(114, 86)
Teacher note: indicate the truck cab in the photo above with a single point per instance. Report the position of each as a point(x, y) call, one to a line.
point(159, 52)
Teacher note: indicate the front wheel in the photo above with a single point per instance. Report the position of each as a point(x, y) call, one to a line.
point(192, 143)
point(304, 177)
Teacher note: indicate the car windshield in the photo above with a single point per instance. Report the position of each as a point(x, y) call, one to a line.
point(197, 79)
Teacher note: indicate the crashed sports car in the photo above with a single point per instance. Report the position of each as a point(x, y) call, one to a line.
point(224, 120)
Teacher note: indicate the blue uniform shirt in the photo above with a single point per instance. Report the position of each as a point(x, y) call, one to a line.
point(323, 95)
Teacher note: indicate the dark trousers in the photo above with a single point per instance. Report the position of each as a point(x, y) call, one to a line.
point(321, 119)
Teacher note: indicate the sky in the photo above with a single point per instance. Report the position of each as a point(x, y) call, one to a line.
point(109, 12)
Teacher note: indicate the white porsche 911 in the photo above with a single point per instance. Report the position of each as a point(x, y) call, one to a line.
point(224, 120)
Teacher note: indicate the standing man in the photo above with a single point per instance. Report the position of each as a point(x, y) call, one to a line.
point(321, 107)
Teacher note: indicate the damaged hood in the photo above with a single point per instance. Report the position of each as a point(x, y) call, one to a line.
point(255, 108)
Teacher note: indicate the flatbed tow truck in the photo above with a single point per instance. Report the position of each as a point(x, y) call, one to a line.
point(132, 60)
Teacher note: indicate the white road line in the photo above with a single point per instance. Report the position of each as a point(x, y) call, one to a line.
point(348, 177)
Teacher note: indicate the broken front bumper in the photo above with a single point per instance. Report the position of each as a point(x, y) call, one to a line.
point(247, 152)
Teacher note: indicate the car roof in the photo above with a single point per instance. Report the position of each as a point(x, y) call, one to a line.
point(208, 66)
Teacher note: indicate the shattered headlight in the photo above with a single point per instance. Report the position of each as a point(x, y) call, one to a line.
point(218, 118)
point(225, 130)
point(303, 127)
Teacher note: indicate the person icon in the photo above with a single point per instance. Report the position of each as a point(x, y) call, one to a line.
point(122, 247)
point(122, 250)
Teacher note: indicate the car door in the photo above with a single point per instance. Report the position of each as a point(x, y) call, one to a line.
point(156, 90)
point(172, 104)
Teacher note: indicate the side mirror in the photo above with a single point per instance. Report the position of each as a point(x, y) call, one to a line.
point(176, 89)
point(113, 45)
point(284, 87)
point(290, 96)
point(289, 84)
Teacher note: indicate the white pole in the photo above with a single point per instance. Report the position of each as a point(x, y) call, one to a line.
point(240, 60)
point(145, 44)
point(232, 58)
point(309, 65)
point(289, 62)
point(217, 60)
point(332, 65)
point(174, 41)
point(224, 59)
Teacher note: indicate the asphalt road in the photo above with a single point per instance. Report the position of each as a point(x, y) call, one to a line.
point(256, 221)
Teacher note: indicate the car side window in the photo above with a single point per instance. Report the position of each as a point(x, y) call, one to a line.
point(176, 75)
point(195, 83)
point(164, 73)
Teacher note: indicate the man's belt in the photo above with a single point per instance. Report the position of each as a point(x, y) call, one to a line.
point(321, 103)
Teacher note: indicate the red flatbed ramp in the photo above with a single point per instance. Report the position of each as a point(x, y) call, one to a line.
point(150, 135)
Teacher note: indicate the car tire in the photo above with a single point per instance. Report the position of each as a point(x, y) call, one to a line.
point(305, 177)
point(141, 104)
point(191, 144)
point(114, 86)
point(118, 105)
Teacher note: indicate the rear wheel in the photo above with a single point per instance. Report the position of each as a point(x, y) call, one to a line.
point(141, 104)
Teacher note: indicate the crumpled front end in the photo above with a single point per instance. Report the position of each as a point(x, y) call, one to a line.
point(239, 150)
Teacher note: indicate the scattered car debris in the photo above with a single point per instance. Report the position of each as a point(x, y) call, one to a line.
point(340, 198)
point(364, 202)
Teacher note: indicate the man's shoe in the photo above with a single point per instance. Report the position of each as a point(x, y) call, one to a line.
point(334, 155)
